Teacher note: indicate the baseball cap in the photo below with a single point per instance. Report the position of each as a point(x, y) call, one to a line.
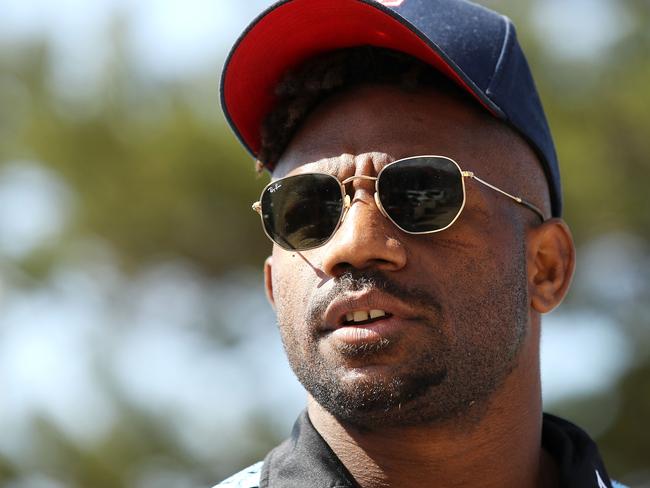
point(472, 45)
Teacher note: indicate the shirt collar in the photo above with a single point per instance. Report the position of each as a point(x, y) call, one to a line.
point(576, 455)
point(305, 459)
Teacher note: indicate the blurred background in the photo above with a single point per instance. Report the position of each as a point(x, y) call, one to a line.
point(136, 346)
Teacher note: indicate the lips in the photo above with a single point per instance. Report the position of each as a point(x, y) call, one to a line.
point(370, 310)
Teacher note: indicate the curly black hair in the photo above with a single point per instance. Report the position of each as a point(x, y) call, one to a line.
point(304, 87)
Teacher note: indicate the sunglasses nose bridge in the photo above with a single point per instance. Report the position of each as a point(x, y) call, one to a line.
point(358, 177)
point(379, 205)
point(347, 197)
point(346, 206)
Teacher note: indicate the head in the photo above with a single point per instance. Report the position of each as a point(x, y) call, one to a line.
point(463, 304)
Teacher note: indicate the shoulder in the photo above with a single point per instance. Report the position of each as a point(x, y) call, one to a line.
point(616, 484)
point(246, 478)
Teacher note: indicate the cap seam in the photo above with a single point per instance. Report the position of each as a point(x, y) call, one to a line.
point(499, 66)
point(547, 161)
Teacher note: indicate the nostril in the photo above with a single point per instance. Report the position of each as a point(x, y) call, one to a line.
point(346, 267)
point(341, 268)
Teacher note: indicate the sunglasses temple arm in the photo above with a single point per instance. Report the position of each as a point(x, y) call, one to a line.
point(519, 200)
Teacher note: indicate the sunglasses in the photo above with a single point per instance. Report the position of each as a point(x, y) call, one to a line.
point(420, 195)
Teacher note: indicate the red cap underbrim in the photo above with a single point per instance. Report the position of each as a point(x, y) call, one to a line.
point(293, 31)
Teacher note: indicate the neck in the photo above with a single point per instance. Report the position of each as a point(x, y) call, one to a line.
point(500, 449)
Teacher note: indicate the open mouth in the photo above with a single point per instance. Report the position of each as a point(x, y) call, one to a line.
point(363, 317)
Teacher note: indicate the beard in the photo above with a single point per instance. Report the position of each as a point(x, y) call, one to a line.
point(464, 351)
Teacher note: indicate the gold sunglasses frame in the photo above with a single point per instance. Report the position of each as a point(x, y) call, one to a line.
point(257, 206)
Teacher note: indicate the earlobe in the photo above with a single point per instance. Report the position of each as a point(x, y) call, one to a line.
point(268, 280)
point(550, 262)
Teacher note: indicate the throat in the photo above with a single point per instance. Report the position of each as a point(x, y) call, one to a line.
point(494, 455)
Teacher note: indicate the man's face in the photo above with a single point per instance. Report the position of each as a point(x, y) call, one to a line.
point(456, 302)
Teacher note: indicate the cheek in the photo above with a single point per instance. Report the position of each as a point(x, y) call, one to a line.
point(491, 300)
point(292, 282)
point(478, 278)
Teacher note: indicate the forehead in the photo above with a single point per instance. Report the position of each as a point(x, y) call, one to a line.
point(391, 123)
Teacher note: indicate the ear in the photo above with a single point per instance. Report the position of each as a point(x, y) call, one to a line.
point(550, 260)
point(268, 280)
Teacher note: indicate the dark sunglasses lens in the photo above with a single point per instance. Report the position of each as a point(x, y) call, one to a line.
point(301, 212)
point(422, 194)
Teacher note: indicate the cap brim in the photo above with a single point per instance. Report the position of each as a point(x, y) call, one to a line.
point(293, 31)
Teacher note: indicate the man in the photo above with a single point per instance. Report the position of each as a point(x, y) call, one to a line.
point(415, 211)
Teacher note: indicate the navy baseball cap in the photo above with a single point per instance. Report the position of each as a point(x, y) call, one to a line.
point(475, 47)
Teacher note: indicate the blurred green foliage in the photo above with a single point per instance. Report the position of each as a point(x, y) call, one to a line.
point(151, 175)
point(157, 175)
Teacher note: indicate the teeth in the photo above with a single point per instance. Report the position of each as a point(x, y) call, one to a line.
point(363, 315)
point(360, 315)
point(376, 313)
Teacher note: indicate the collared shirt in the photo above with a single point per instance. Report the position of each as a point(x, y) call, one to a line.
point(306, 460)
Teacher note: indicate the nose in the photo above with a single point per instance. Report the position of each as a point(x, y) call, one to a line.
point(364, 240)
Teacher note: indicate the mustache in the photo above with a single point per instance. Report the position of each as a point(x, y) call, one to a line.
point(371, 279)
